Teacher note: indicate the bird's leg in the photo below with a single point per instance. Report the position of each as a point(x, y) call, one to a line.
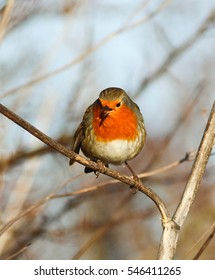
point(133, 189)
point(135, 177)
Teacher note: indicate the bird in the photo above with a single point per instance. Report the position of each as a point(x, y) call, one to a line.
point(112, 130)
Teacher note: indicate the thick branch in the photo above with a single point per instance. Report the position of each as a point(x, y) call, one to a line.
point(197, 171)
point(170, 233)
point(94, 166)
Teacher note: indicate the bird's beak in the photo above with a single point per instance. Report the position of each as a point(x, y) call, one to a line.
point(104, 113)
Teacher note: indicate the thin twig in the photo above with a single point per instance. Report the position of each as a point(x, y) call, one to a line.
point(188, 157)
point(199, 90)
point(22, 214)
point(205, 244)
point(203, 236)
point(19, 252)
point(116, 219)
point(101, 230)
point(38, 204)
point(174, 54)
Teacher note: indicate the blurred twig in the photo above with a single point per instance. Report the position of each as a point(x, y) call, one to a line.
point(5, 18)
point(174, 54)
point(188, 108)
point(203, 236)
point(21, 154)
point(32, 234)
point(38, 204)
point(101, 230)
point(90, 50)
point(118, 217)
point(206, 243)
point(189, 156)
point(20, 251)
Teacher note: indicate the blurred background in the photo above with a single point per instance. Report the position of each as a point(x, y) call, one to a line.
point(55, 58)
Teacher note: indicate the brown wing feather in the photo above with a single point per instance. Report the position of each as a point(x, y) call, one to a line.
point(79, 133)
point(76, 141)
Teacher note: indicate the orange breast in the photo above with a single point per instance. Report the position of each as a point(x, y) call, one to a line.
point(121, 124)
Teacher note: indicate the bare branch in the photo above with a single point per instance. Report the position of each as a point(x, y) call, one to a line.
point(93, 165)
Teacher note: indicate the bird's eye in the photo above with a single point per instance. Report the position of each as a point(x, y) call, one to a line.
point(118, 104)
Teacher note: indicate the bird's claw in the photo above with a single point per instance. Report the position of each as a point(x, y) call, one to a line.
point(101, 168)
point(134, 188)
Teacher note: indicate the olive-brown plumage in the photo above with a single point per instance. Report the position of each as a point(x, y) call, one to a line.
point(112, 129)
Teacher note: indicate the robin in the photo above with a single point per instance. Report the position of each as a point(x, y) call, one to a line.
point(112, 130)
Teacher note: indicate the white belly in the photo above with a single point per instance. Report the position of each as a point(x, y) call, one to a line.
point(115, 151)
